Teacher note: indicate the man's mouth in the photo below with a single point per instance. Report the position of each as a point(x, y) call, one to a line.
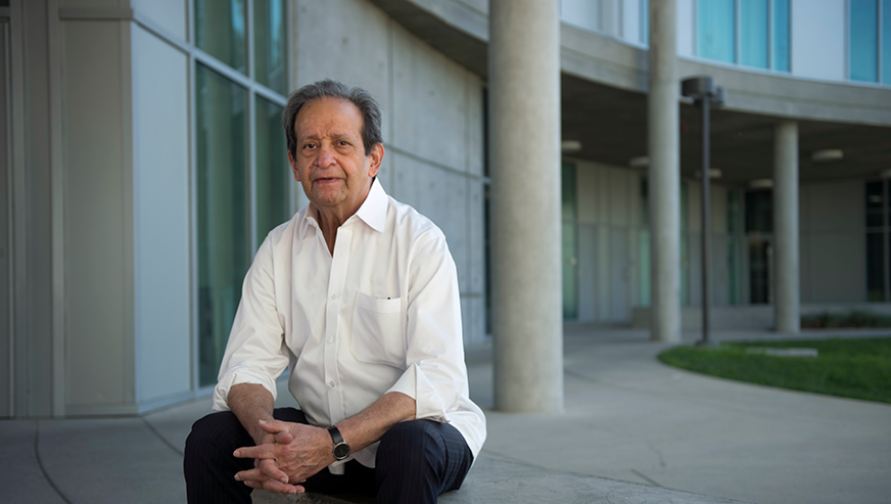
point(327, 180)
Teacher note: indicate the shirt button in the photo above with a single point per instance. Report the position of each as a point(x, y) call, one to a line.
point(330, 340)
point(332, 384)
point(333, 296)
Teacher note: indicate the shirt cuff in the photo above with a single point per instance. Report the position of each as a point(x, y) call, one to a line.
point(238, 376)
point(428, 403)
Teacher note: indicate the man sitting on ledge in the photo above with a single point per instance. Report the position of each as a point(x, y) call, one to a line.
point(358, 296)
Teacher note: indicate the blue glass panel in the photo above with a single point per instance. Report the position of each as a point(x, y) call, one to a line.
point(781, 35)
point(886, 41)
point(645, 21)
point(716, 30)
point(864, 40)
point(753, 33)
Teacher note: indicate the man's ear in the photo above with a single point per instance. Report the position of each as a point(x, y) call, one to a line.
point(293, 164)
point(377, 157)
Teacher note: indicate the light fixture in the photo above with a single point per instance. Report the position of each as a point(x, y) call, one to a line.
point(825, 155)
point(639, 162)
point(885, 174)
point(762, 183)
point(713, 173)
point(569, 146)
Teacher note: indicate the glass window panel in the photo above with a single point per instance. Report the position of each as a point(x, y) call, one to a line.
point(269, 44)
point(874, 204)
point(220, 31)
point(781, 35)
point(644, 201)
point(644, 267)
point(570, 271)
point(875, 267)
point(223, 213)
point(734, 211)
point(716, 30)
point(759, 271)
point(645, 21)
point(864, 40)
point(753, 33)
point(570, 260)
point(568, 193)
point(759, 212)
point(733, 267)
point(273, 187)
point(886, 41)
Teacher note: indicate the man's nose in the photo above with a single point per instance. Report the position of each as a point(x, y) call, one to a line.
point(326, 155)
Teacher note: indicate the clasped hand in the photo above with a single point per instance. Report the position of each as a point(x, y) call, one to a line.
point(291, 453)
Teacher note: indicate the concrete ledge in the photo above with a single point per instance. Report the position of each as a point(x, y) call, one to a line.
point(493, 481)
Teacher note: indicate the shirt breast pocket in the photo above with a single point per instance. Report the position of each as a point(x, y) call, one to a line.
point(379, 331)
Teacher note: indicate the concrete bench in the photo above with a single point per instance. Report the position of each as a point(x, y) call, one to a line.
point(493, 481)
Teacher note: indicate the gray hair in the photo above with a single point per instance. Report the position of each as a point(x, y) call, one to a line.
point(367, 105)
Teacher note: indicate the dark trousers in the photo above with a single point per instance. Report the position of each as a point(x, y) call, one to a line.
point(416, 461)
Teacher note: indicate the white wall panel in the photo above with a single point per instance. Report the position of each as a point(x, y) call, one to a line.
point(169, 15)
point(818, 38)
point(94, 136)
point(161, 180)
point(582, 13)
point(631, 21)
point(686, 35)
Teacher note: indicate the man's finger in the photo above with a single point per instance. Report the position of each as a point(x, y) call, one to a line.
point(268, 468)
point(283, 437)
point(274, 426)
point(282, 488)
point(264, 451)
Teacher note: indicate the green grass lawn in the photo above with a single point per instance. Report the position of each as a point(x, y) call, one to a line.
point(855, 368)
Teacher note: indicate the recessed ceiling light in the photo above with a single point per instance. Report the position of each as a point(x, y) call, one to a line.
point(570, 146)
point(714, 173)
point(885, 173)
point(822, 156)
point(763, 183)
point(639, 162)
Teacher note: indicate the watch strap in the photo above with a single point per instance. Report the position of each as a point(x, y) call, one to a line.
point(335, 434)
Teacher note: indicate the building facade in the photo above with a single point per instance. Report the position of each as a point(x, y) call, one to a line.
point(143, 163)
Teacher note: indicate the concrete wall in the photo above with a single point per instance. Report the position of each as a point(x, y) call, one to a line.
point(432, 125)
point(833, 242)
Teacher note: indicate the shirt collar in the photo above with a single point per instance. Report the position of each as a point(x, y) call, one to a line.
point(373, 210)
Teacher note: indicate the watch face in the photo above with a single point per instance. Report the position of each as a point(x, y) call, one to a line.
point(341, 451)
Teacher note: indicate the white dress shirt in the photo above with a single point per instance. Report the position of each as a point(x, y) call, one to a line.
point(382, 315)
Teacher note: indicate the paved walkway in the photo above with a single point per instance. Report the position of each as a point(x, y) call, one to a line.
point(633, 429)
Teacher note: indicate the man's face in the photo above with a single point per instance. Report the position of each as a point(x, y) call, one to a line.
point(330, 160)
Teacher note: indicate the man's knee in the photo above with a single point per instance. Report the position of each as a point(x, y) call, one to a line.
point(412, 443)
point(209, 432)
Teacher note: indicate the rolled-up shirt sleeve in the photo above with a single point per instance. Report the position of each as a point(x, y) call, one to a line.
point(436, 376)
point(256, 352)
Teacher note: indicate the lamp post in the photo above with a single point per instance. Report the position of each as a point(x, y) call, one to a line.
point(706, 94)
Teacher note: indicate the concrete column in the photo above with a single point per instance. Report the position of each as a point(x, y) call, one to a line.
point(664, 174)
point(785, 227)
point(524, 108)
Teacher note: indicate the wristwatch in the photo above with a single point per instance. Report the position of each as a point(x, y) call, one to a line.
point(341, 449)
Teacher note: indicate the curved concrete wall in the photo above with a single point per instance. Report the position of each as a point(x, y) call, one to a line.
point(459, 28)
